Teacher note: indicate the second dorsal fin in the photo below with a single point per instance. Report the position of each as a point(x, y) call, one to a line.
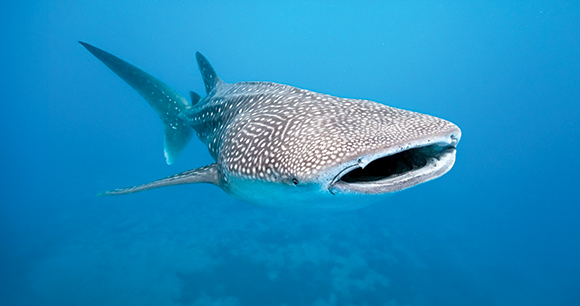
point(210, 78)
point(194, 98)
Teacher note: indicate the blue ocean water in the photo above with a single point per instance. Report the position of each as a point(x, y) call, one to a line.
point(502, 228)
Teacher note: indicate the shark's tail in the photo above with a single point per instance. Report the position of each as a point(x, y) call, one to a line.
point(167, 103)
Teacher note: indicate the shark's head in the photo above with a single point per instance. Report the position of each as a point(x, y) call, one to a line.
point(327, 148)
point(397, 150)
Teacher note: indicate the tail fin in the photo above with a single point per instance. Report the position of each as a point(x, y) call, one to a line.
point(167, 103)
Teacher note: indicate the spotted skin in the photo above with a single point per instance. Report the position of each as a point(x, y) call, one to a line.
point(268, 138)
point(276, 132)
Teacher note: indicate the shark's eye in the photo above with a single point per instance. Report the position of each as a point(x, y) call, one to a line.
point(295, 181)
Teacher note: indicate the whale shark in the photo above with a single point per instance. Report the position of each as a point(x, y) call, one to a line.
point(282, 146)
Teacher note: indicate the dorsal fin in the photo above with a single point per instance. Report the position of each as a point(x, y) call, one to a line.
point(210, 78)
point(194, 98)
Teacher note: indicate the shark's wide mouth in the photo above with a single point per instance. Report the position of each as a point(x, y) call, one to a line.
point(393, 165)
point(397, 171)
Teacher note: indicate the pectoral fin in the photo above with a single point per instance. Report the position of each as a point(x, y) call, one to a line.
point(205, 174)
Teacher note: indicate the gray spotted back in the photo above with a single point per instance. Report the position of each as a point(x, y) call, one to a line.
point(275, 132)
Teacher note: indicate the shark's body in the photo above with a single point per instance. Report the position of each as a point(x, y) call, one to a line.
point(283, 146)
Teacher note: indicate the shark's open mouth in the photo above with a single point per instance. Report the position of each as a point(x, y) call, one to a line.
point(397, 171)
point(397, 164)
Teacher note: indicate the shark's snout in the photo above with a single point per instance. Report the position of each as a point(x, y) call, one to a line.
point(393, 170)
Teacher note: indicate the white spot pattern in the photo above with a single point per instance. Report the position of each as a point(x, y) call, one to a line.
point(276, 132)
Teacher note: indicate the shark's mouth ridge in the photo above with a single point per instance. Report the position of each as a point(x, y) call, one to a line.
point(397, 171)
point(393, 165)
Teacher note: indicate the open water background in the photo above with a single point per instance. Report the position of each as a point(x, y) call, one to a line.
point(502, 228)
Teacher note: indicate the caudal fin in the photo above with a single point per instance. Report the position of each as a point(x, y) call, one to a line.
point(167, 103)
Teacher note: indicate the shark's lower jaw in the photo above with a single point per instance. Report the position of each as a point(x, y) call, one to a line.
point(397, 171)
